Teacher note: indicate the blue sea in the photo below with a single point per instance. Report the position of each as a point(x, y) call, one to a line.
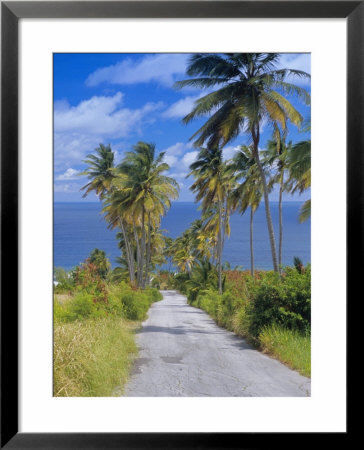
point(80, 227)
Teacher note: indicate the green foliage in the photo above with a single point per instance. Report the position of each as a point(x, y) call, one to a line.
point(121, 300)
point(87, 278)
point(82, 306)
point(227, 306)
point(204, 276)
point(154, 294)
point(290, 346)
point(179, 282)
point(208, 300)
point(135, 306)
point(98, 258)
point(64, 281)
point(135, 303)
point(221, 307)
point(298, 264)
point(60, 274)
point(164, 279)
point(285, 301)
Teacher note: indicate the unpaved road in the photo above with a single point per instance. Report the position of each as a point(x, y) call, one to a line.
point(183, 353)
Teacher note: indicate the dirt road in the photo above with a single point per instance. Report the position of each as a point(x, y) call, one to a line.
point(183, 353)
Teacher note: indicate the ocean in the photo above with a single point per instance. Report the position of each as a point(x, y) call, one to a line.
point(80, 227)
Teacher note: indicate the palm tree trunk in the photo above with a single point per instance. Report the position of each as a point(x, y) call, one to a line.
point(226, 217)
point(138, 253)
point(147, 264)
point(142, 258)
point(280, 224)
point(251, 242)
point(255, 136)
point(129, 256)
point(219, 250)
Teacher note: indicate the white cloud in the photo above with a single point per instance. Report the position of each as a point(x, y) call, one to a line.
point(101, 116)
point(182, 107)
point(178, 148)
point(71, 148)
point(229, 152)
point(174, 152)
point(79, 129)
point(70, 174)
point(189, 158)
point(171, 160)
point(162, 68)
point(179, 175)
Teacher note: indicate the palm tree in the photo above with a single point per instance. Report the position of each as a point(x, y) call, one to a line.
point(211, 181)
point(99, 259)
point(299, 164)
point(117, 215)
point(250, 192)
point(144, 195)
point(251, 89)
point(277, 154)
point(99, 171)
point(202, 277)
point(184, 252)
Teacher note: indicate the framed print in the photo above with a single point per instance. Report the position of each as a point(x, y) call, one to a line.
point(82, 81)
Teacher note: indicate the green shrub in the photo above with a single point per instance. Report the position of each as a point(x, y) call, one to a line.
point(180, 282)
point(135, 306)
point(241, 321)
point(64, 286)
point(208, 300)
point(154, 294)
point(228, 304)
point(164, 279)
point(285, 301)
point(114, 305)
point(115, 300)
point(132, 304)
point(64, 281)
point(156, 283)
point(82, 306)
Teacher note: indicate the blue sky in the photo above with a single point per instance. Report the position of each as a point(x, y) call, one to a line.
point(120, 99)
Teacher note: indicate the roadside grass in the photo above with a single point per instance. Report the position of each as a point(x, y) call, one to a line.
point(94, 337)
point(92, 357)
point(62, 298)
point(289, 346)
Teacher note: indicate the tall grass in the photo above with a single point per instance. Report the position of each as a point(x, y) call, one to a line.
point(289, 346)
point(92, 357)
point(94, 342)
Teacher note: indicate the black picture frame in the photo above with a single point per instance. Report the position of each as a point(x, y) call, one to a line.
point(11, 12)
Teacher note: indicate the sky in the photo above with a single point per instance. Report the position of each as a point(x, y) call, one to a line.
point(120, 99)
